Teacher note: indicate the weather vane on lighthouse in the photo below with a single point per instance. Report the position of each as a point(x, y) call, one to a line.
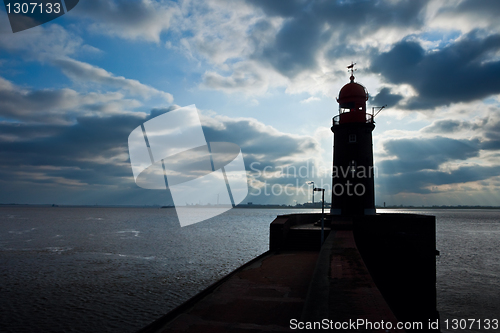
point(351, 68)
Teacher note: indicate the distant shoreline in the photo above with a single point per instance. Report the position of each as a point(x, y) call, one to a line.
point(253, 206)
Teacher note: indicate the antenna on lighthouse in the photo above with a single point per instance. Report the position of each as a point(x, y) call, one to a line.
point(380, 108)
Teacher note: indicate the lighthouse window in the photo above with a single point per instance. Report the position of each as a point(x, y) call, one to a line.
point(352, 137)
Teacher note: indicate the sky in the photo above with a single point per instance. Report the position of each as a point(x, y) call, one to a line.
point(263, 75)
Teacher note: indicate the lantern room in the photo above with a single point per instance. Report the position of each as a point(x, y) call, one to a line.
point(352, 103)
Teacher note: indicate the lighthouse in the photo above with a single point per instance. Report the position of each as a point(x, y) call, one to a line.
point(353, 191)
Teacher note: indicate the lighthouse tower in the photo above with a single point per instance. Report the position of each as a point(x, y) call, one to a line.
point(353, 190)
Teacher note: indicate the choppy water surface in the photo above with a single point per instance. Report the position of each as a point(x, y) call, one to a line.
point(114, 269)
point(118, 269)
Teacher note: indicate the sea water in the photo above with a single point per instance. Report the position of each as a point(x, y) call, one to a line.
point(75, 269)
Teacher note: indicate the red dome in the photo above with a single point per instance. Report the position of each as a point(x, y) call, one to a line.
point(352, 102)
point(353, 92)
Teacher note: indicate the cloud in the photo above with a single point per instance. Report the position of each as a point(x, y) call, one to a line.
point(490, 127)
point(135, 20)
point(283, 8)
point(487, 129)
point(346, 15)
point(260, 142)
point(58, 106)
point(385, 97)
point(468, 15)
point(310, 99)
point(54, 45)
point(243, 79)
point(414, 154)
point(91, 153)
point(77, 152)
point(424, 181)
point(460, 72)
point(292, 44)
point(44, 43)
point(452, 126)
point(295, 46)
point(480, 9)
point(421, 165)
point(312, 27)
point(80, 71)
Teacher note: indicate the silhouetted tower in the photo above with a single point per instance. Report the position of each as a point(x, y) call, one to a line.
point(353, 190)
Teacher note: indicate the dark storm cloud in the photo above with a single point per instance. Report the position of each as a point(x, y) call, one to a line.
point(283, 8)
point(445, 126)
point(491, 127)
point(349, 14)
point(260, 143)
point(359, 17)
point(385, 97)
point(417, 162)
point(426, 153)
point(488, 128)
point(294, 49)
point(460, 72)
point(491, 145)
point(420, 181)
point(310, 24)
point(24, 132)
point(40, 105)
point(84, 152)
point(483, 126)
point(53, 139)
point(491, 132)
point(484, 9)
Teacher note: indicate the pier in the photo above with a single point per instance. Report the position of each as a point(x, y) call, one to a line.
point(380, 268)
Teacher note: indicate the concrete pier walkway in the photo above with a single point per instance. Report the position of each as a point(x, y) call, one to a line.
point(343, 290)
point(260, 298)
point(308, 286)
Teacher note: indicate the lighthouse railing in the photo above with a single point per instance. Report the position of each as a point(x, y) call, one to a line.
point(368, 119)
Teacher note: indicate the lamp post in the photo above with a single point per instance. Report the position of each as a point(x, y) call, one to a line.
point(312, 183)
point(322, 212)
